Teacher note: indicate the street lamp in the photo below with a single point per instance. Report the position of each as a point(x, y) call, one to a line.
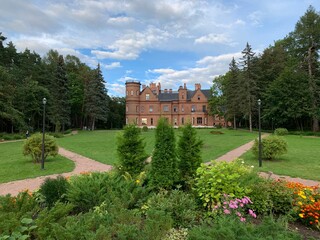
point(260, 146)
point(44, 101)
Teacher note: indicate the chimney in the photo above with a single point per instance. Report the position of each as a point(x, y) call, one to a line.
point(185, 86)
point(159, 88)
point(197, 86)
point(143, 87)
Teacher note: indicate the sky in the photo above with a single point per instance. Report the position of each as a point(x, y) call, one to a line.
point(168, 41)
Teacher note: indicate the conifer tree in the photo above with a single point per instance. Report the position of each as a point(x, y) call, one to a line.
point(164, 166)
point(131, 150)
point(189, 152)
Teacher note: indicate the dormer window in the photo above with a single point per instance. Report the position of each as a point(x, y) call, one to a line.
point(198, 97)
point(147, 96)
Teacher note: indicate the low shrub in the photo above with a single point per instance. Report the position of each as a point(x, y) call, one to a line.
point(272, 147)
point(281, 131)
point(229, 227)
point(54, 189)
point(216, 132)
point(180, 206)
point(219, 178)
point(33, 147)
point(271, 197)
point(56, 134)
point(145, 129)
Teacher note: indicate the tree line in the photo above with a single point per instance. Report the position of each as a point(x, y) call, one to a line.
point(285, 76)
point(76, 94)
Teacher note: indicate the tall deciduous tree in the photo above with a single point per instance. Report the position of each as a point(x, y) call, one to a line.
point(164, 165)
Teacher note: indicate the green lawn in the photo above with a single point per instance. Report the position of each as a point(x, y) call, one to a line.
point(302, 159)
point(101, 145)
point(15, 166)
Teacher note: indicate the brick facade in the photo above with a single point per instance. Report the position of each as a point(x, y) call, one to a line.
point(144, 106)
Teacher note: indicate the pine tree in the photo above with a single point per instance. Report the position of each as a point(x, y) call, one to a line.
point(131, 150)
point(247, 86)
point(164, 166)
point(96, 98)
point(189, 152)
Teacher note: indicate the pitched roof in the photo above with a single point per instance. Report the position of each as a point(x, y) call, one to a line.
point(174, 96)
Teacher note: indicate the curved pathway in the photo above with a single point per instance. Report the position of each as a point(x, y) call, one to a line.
point(82, 164)
point(236, 153)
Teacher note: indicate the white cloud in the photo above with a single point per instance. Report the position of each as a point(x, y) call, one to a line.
point(255, 18)
point(215, 38)
point(112, 65)
point(116, 89)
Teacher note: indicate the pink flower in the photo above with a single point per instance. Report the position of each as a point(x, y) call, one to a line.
point(242, 219)
point(226, 211)
point(239, 214)
point(241, 204)
point(251, 212)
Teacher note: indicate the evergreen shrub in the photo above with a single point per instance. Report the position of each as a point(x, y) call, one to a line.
point(272, 147)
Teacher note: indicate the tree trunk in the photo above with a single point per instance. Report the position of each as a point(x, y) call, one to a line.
point(250, 121)
point(234, 122)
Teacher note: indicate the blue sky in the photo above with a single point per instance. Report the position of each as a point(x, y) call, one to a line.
point(167, 41)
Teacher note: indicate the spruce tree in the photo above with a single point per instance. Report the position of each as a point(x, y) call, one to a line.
point(164, 166)
point(189, 152)
point(131, 150)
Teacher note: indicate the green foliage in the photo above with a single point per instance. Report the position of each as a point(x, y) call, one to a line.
point(177, 234)
point(33, 147)
point(54, 189)
point(164, 167)
point(131, 150)
point(227, 227)
point(189, 153)
point(145, 129)
point(115, 191)
point(281, 131)
point(272, 147)
point(271, 197)
point(23, 232)
point(180, 206)
point(219, 178)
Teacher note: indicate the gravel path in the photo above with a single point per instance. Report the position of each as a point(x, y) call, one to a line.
point(83, 164)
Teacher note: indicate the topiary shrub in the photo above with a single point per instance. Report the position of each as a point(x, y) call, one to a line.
point(33, 147)
point(219, 178)
point(54, 189)
point(272, 147)
point(281, 131)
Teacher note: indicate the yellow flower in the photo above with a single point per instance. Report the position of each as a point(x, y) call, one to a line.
point(300, 203)
point(301, 215)
point(137, 181)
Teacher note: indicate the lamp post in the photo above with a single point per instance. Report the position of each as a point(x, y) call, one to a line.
point(260, 146)
point(44, 101)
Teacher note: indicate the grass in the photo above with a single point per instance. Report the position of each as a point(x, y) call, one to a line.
point(101, 145)
point(302, 159)
point(15, 166)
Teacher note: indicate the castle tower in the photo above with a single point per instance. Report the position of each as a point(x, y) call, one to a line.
point(132, 101)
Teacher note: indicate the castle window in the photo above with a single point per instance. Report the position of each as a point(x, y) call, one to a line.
point(198, 97)
point(131, 92)
point(204, 108)
point(193, 108)
point(182, 120)
point(182, 96)
point(151, 120)
point(147, 96)
point(144, 121)
point(175, 121)
point(199, 120)
point(182, 108)
point(166, 108)
point(150, 108)
point(175, 108)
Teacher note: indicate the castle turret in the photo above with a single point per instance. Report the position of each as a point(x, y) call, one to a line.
point(132, 101)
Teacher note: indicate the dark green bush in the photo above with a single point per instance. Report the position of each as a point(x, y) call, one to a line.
point(281, 131)
point(145, 129)
point(180, 206)
point(54, 189)
point(56, 134)
point(131, 150)
point(216, 132)
point(272, 147)
point(33, 147)
point(271, 197)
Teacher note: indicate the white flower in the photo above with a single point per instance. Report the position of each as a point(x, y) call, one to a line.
point(252, 166)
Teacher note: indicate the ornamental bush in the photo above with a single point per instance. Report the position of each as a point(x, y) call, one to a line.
point(281, 131)
point(33, 147)
point(272, 147)
point(131, 150)
point(219, 178)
